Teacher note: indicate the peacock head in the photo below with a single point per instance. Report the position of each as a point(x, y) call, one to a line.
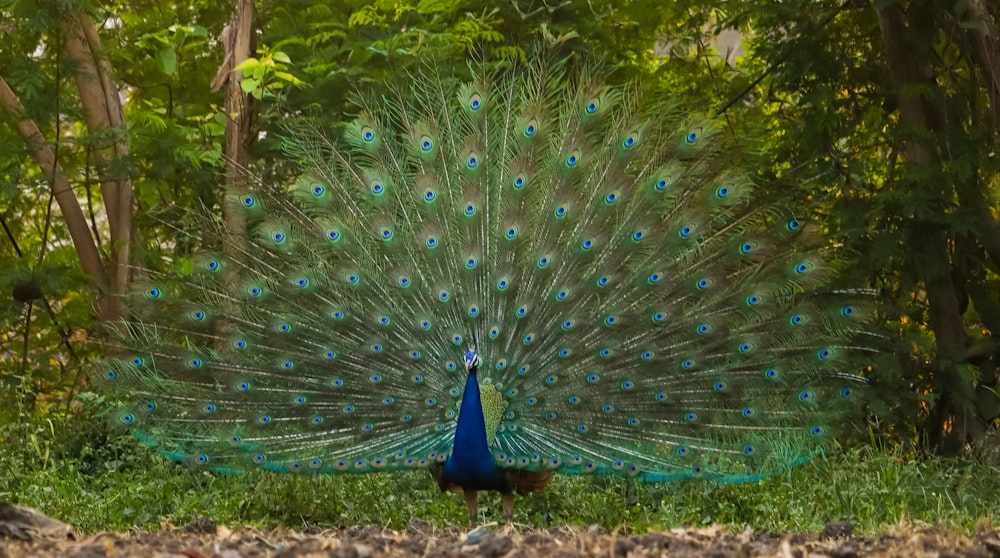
point(471, 361)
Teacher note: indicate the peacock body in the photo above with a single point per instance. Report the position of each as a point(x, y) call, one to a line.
point(526, 273)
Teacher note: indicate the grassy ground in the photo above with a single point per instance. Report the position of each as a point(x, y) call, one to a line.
point(121, 484)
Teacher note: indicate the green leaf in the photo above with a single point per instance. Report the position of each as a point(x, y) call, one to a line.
point(248, 64)
point(249, 85)
point(167, 59)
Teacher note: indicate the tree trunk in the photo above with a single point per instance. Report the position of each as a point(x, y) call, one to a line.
point(238, 42)
point(76, 222)
point(944, 308)
point(109, 137)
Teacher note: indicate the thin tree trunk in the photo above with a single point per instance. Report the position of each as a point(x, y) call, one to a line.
point(106, 125)
point(76, 222)
point(238, 39)
point(944, 308)
point(982, 36)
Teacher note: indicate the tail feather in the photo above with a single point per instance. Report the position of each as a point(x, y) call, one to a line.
point(638, 313)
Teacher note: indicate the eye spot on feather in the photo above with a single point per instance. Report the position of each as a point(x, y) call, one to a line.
point(367, 134)
point(426, 143)
point(693, 136)
point(573, 158)
point(378, 188)
point(248, 201)
point(519, 182)
point(630, 140)
point(475, 102)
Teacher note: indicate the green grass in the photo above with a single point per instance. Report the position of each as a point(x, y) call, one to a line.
point(122, 485)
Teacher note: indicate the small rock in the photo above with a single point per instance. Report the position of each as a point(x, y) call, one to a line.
point(201, 526)
point(624, 546)
point(418, 526)
point(26, 524)
point(837, 530)
point(495, 546)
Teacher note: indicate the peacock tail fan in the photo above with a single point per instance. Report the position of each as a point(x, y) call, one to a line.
point(635, 311)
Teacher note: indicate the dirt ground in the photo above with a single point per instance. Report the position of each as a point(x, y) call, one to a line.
point(203, 539)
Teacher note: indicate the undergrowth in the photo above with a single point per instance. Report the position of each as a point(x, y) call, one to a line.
point(115, 483)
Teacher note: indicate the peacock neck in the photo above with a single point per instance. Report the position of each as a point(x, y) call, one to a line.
point(471, 463)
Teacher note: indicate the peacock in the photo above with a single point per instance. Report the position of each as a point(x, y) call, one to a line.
point(496, 276)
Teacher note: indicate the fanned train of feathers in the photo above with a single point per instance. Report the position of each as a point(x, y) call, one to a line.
point(635, 312)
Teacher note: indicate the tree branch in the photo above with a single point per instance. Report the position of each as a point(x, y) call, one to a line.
point(76, 222)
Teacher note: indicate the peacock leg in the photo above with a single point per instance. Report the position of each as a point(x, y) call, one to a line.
point(508, 506)
point(472, 504)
